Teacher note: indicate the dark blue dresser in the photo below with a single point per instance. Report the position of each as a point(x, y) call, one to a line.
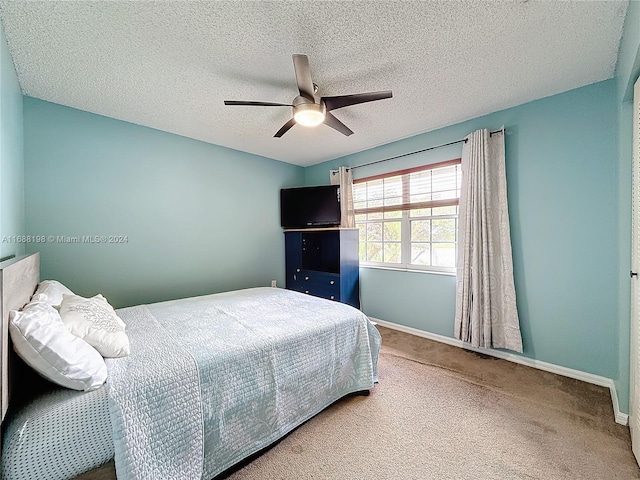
point(324, 262)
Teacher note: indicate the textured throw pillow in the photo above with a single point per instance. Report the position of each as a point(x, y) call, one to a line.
point(50, 292)
point(96, 322)
point(43, 342)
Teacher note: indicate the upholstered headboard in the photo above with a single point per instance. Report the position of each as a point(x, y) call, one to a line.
point(19, 278)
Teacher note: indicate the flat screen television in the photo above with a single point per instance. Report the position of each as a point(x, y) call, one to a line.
point(308, 207)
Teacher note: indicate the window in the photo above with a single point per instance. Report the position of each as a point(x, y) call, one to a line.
point(409, 218)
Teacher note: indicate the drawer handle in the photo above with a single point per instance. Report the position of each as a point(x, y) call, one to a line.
point(331, 282)
point(332, 297)
point(306, 291)
point(306, 278)
point(297, 269)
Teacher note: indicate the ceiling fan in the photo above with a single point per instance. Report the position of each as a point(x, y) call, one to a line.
point(309, 109)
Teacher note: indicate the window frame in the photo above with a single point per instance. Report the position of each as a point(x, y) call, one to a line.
point(405, 219)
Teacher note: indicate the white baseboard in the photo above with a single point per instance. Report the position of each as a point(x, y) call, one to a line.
point(620, 417)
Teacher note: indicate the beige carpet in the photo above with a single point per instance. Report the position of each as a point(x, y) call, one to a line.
point(440, 412)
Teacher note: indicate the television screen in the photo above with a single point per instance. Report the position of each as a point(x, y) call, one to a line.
point(305, 207)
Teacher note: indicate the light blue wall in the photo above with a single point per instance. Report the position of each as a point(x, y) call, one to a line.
point(199, 218)
point(11, 154)
point(563, 184)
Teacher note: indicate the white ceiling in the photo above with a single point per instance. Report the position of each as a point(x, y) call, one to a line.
point(170, 64)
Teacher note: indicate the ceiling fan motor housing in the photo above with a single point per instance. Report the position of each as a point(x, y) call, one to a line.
point(307, 112)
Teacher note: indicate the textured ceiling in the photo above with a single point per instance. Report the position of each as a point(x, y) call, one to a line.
point(169, 65)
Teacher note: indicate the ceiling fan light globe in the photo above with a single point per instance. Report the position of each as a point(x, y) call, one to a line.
point(309, 115)
point(309, 118)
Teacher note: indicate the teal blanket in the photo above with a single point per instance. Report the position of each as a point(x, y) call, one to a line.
point(214, 379)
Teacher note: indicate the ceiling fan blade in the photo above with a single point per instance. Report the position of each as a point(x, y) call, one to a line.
point(336, 124)
point(285, 128)
point(303, 76)
point(256, 104)
point(339, 101)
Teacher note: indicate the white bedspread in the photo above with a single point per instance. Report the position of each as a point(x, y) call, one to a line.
point(213, 379)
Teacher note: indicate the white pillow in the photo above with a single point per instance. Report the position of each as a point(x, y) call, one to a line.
point(50, 292)
point(96, 322)
point(42, 341)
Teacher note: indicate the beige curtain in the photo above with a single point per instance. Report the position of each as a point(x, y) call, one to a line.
point(344, 178)
point(486, 313)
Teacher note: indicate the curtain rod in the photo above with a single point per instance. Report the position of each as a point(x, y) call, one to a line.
point(464, 140)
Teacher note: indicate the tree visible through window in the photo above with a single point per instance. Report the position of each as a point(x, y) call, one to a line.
point(409, 218)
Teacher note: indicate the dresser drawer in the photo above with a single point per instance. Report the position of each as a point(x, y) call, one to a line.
point(319, 284)
point(329, 280)
point(328, 293)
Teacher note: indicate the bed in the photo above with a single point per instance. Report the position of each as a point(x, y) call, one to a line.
point(210, 381)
